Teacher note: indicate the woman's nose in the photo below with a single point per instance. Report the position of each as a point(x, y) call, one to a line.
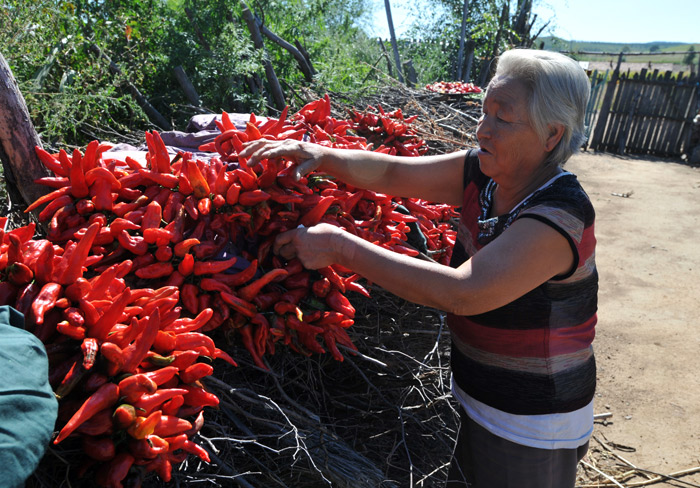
point(482, 128)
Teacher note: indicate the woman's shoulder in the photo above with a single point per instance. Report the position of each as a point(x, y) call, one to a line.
point(564, 195)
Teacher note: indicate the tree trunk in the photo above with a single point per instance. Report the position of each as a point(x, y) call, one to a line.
point(154, 115)
point(275, 87)
point(18, 139)
point(304, 66)
point(394, 45)
point(462, 37)
point(186, 85)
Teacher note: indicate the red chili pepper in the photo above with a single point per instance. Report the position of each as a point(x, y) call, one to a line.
point(356, 287)
point(109, 319)
point(197, 450)
point(144, 426)
point(240, 278)
point(72, 331)
point(297, 280)
point(155, 270)
point(149, 403)
point(54, 205)
point(98, 448)
point(238, 304)
point(169, 425)
point(135, 352)
point(252, 197)
point(89, 348)
point(26, 296)
point(191, 340)
point(338, 302)
point(186, 266)
point(199, 183)
point(50, 162)
point(249, 291)
point(19, 274)
point(247, 336)
point(331, 275)
point(152, 217)
point(98, 424)
point(188, 296)
point(321, 287)
point(73, 263)
point(183, 247)
point(124, 415)
point(135, 386)
point(232, 193)
point(213, 267)
point(246, 178)
point(79, 188)
point(314, 216)
point(166, 180)
point(106, 396)
point(162, 158)
point(149, 447)
point(196, 372)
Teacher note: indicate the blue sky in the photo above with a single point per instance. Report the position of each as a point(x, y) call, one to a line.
point(630, 21)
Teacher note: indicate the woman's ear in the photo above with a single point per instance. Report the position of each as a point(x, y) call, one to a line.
point(556, 131)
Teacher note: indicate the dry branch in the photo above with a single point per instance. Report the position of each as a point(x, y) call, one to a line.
point(153, 114)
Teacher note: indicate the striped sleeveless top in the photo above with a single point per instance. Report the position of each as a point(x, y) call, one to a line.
point(532, 356)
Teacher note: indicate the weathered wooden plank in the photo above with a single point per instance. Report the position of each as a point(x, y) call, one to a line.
point(666, 87)
point(598, 83)
point(673, 115)
point(602, 121)
point(631, 105)
point(649, 108)
point(639, 116)
point(685, 109)
point(641, 121)
point(619, 112)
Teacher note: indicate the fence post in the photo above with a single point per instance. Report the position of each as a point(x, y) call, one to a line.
point(605, 107)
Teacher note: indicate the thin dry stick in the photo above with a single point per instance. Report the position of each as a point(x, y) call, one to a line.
point(613, 480)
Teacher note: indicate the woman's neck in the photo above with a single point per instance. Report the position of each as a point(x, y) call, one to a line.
point(506, 197)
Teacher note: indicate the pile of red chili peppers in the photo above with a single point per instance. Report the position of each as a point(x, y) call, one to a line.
point(129, 279)
point(453, 87)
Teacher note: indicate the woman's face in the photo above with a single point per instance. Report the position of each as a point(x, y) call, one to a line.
point(509, 148)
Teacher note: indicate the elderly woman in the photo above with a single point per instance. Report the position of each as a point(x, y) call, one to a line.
point(521, 291)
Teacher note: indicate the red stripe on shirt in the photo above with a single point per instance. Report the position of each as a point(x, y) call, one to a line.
point(539, 343)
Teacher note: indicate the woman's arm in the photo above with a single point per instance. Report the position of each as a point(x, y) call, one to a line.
point(434, 178)
point(526, 255)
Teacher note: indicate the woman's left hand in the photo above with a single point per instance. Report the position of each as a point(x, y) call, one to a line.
point(316, 247)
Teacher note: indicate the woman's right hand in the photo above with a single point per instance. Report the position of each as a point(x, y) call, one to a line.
point(307, 156)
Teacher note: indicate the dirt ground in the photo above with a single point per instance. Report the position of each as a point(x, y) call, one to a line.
point(648, 343)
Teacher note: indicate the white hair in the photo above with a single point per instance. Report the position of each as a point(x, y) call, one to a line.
point(559, 91)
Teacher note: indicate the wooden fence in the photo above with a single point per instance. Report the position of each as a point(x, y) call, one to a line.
point(644, 113)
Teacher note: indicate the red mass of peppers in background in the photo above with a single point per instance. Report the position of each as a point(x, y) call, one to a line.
point(453, 87)
point(133, 274)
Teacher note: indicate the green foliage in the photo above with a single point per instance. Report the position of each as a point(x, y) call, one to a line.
point(75, 95)
point(690, 57)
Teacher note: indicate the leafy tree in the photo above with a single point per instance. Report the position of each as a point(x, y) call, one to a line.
point(689, 58)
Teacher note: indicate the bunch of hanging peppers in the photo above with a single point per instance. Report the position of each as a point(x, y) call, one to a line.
point(140, 262)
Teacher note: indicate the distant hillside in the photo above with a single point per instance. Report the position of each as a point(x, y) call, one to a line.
point(557, 44)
